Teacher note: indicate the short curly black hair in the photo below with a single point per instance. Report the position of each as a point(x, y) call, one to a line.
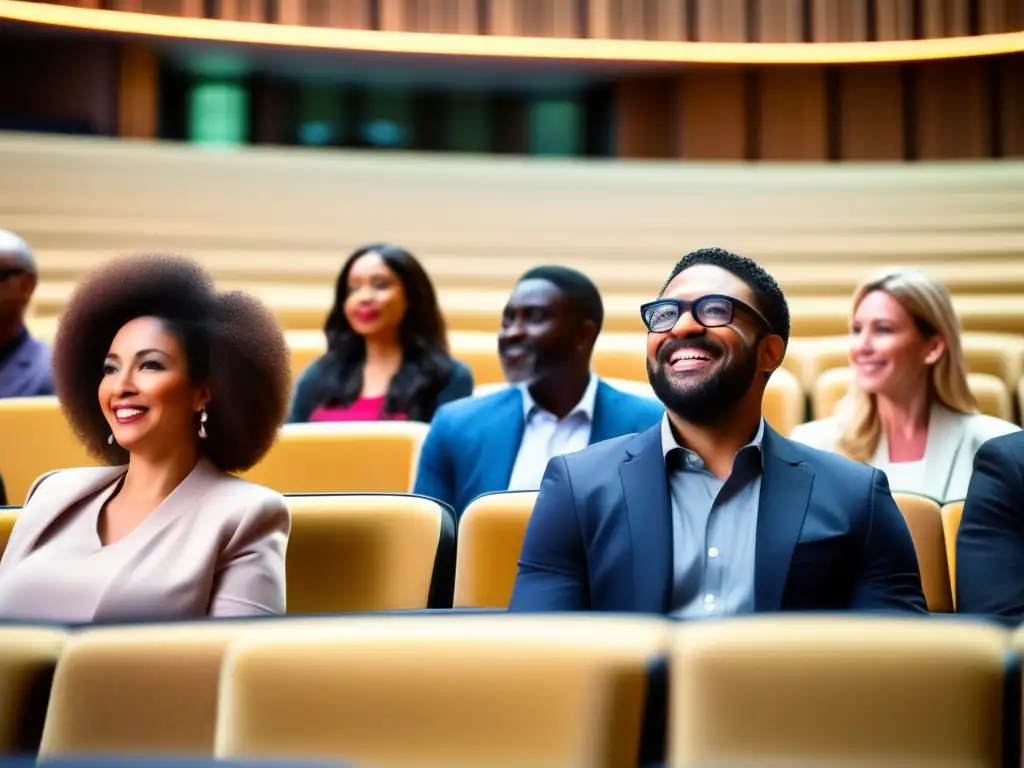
point(230, 340)
point(768, 296)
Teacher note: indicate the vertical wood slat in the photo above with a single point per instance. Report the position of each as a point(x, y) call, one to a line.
point(712, 114)
point(502, 17)
point(870, 116)
point(894, 19)
point(945, 18)
point(839, 21)
point(721, 21)
point(534, 18)
point(780, 21)
point(952, 110)
point(995, 16)
point(1012, 102)
point(137, 102)
point(345, 14)
point(239, 10)
point(637, 20)
point(793, 113)
point(645, 118)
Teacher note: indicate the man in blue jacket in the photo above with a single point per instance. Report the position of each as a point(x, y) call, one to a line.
point(711, 512)
point(556, 405)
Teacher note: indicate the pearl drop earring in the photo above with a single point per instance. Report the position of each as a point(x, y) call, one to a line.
point(202, 425)
point(110, 439)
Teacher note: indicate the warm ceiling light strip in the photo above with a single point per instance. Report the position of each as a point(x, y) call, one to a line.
point(489, 46)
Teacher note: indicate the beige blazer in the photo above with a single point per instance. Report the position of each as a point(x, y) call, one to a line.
point(214, 547)
point(953, 439)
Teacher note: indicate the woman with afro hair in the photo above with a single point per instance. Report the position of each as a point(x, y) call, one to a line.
point(174, 386)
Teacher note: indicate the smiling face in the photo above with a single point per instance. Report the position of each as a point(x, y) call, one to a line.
point(146, 393)
point(375, 301)
point(539, 332)
point(702, 373)
point(889, 352)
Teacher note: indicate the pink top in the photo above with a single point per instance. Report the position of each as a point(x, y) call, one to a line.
point(363, 409)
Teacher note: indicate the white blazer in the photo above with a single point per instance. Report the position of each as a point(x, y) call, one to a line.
point(953, 439)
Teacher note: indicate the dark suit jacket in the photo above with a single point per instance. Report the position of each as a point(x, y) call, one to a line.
point(990, 540)
point(460, 384)
point(472, 444)
point(26, 373)
point(829, 535)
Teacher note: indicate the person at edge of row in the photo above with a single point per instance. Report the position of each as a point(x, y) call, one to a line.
point(24, 360)
point(173, 386)
point(910, 411)
point(555, 404)
point(711, 512)
point(387, 346)
point(990, 539)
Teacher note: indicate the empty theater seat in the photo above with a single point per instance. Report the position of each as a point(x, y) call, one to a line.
point(36, 439)
point(837, 690)
point(491, 531)
point(28, 657)
point(368, 552)
point(443, 691)
point(924, 519)
point(992, 394)
point(342, 457)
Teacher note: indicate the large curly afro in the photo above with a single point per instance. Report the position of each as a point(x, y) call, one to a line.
point(230, 340)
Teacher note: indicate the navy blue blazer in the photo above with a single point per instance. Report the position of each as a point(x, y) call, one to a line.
point(829, 535)
point(472, 444)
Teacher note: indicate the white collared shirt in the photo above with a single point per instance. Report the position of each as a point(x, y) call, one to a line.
point(544, 436)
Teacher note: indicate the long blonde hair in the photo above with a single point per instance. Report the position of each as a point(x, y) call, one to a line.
point(927, 301)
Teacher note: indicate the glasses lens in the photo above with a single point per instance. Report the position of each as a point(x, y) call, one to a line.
point(713, 313)
point(662, 317)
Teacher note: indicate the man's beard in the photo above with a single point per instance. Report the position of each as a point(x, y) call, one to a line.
point(709, 401)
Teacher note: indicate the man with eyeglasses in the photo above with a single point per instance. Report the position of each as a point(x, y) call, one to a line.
point(711, 512)
point(24, 361)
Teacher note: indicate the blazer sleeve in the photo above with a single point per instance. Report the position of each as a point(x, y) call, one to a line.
point(435, 474)
point(889, 578)
point(250, 578)
point(552, 564)
point(460, 384)
point(990, 539)
point(304, 398)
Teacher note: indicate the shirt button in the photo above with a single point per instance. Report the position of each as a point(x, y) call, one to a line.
point(713, 552)
point(709, 603)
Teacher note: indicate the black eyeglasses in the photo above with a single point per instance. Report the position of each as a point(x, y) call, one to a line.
point(712, 311)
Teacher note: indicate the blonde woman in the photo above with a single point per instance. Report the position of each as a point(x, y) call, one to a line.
point(909, 411)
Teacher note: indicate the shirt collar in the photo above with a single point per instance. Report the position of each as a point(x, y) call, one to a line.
point(668, 442)
point(584, 406)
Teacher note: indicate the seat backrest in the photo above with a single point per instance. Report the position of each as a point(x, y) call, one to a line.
point(491, 532)
point(342, 457)
point(8, 516)
point(27, 662)
point(837, 690)
point(367, 552)
point(36, 439)
point(951, 514)
point(924, 519)
point(443, 690)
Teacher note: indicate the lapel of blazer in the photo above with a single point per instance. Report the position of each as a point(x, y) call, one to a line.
point(58, 493)
point(945, 438)
point(785, 494)
point(502, 437)
point(649, 511)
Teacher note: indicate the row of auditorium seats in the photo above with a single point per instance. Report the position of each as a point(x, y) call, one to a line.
point(582, 691)
point(303, 309)
point(374, 552)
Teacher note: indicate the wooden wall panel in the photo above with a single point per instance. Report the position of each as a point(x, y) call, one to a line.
point(712, 114)
point(1011, 100)
point(793, 113)
point(534, 18)
point(338, 14)
point(945, 18)
point(780, 21)
point(894, 19)
point(870, 101)
point(995, 16)
point(721, 21)
point(952, 106)
point(839, 21)
point(638, 19)
point(137, 93)
point(443, 16)
point(240, 10)
point(645, 117)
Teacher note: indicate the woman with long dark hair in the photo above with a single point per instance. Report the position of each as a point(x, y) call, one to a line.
point(387, 349)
